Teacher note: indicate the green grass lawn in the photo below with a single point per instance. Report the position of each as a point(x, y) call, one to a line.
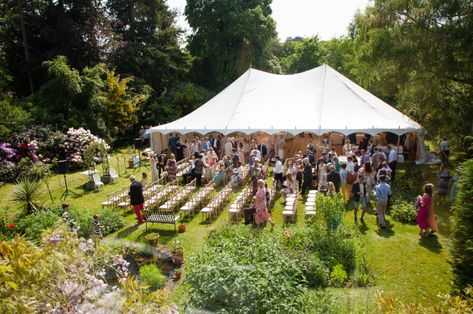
point(76, 180)
point(401, 263)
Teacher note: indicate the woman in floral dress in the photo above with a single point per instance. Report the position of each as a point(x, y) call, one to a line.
point(261, 209)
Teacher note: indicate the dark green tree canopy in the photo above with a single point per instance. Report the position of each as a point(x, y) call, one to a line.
point(228, 37)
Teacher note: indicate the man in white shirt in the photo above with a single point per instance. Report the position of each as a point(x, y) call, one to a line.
point(278, 172)
point(194, 147)
point(392, 161)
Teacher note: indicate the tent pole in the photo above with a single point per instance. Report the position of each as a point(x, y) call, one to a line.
point(398, 142)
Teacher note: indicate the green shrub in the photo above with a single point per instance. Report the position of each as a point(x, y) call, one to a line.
point(339, 276)
point(243, 271)
point(362, 280)
point(335, 248)
point(462, 236)
point(83, 218)
point(331, 210)
point(152, 276)
point(34, 224)
point(111, 221)
point(315, 271)
point(404, 212)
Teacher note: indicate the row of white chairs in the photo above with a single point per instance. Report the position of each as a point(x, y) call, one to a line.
point(290, 208)
point(311, 204)
point(160, 196)
point(241, 201)
point(179, 197)
point(197, 200)
point(216, 205)
point(121, 198)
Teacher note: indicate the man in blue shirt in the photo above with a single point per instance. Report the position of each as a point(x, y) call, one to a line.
point(383, 191)
point(205, 144)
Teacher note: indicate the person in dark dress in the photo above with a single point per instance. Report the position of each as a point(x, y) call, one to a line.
point(334, 177)
point(307, 184)
point(180, 149)
point(198, 169)
point(137, 199)
point(172, 143)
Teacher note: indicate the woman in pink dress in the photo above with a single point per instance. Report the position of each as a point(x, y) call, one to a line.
point(431, 214)
point(424, 203)
point(261, 213)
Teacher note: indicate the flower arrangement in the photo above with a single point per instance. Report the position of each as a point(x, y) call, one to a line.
point(288, 234)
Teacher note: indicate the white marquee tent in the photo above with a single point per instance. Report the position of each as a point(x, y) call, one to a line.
point(319, 101)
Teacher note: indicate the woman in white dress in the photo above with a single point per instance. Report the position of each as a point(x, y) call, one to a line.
point(153, 162)
point(281, 142)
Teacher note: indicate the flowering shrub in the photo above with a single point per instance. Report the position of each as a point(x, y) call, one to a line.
point(65, 274)
point(32, 150)
point(77, 142)
point(7, 152)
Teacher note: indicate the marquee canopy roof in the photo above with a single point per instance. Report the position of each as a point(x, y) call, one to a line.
point(320, 100)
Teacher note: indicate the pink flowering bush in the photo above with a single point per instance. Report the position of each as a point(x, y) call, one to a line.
point(32, 150)
point(77, 142)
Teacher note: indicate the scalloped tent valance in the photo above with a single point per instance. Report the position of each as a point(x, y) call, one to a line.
point(319, 101)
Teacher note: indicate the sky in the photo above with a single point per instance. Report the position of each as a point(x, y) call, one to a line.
point(305, 18)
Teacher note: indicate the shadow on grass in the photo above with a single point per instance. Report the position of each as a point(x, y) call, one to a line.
point(431, 243)
point(363, 227)
point(127, 231)
point(386, 232)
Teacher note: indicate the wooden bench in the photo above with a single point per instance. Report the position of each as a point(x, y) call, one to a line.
point(153, 216)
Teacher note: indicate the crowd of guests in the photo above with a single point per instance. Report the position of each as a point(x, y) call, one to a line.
point(361, 172)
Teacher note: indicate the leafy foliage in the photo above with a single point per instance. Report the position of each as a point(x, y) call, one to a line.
point(26, 194)
point(244, 271)
point(152, 276)
point(83, 218)
point(14, 117)
point(229, 37)
point(121, 106)
point(33, 226)
point(404, 212)
point(462, 219)
point(329, 244)
point(338, 277)
point(448, 304)
point(300, 55)
point(60, 274)
point(418, 54)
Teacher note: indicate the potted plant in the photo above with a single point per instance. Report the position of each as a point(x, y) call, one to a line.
point(152, 238)
point(177, 253)
point(181, 228)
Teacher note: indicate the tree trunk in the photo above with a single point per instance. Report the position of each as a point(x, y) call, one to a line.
point(25, 46)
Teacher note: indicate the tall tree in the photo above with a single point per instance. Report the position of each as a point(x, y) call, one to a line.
point(36, 31)
point(228, 37)
point(419, 54)
point(146, 43)
point(301, 54)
